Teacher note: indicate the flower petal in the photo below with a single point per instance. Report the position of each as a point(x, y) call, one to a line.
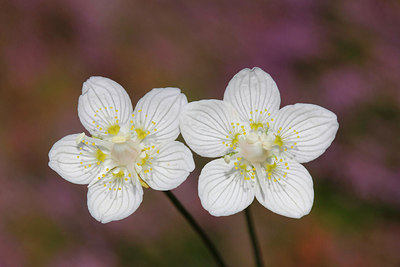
point(306, 131)
point(104, 106)
point(156, 114)
point(168, 166)
point(114, 198)
point(211, 128)
point(222, 190)
point(254, 94)
point(288, 191)
point(79, 163)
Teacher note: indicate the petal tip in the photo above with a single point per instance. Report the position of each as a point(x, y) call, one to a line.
point(253, 70)
point(87, 85)
point(175, 90)
point(99, 81)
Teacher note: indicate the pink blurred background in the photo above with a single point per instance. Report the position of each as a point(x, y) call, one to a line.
point(342, 55)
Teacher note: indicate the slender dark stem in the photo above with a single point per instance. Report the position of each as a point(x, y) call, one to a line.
point(196, 227)
point(250, 227)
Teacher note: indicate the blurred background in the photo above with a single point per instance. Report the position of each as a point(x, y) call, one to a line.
point(342, 55)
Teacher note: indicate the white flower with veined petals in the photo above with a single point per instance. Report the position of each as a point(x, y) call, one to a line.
point(262, 147)
point(129, 149)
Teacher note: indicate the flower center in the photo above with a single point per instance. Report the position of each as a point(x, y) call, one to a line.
point(255, 148)
point(125, 152)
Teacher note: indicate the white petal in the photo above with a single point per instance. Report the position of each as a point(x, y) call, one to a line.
point(77, 163)
point(209, 127)
point(307, 131)
point(114, 201)
point(288, 191)
point(103, 104)
point(254, 94)
point(168, 166)
point(157, 114)
point(222, 190)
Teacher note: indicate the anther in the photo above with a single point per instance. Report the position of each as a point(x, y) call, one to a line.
point(227, 159)
point(79, 138)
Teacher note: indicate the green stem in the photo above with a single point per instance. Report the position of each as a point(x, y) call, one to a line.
point(189, 218)
point(256, 248)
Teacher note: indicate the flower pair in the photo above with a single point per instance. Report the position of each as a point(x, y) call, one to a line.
point(261, 147)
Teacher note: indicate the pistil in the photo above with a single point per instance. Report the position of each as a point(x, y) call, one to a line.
point(253, 148)
point(125, 153)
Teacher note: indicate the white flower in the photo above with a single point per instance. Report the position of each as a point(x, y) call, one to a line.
point(128, 149)
point(262, 147)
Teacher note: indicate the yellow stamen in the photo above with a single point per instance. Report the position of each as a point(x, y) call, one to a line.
point(143, 183)
point(114, 129)
point(120, 174)
point(278, 141)
point(140, 133)
point(270, 167)
point(100, 156)
point(255, 125)
point(235, 140)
